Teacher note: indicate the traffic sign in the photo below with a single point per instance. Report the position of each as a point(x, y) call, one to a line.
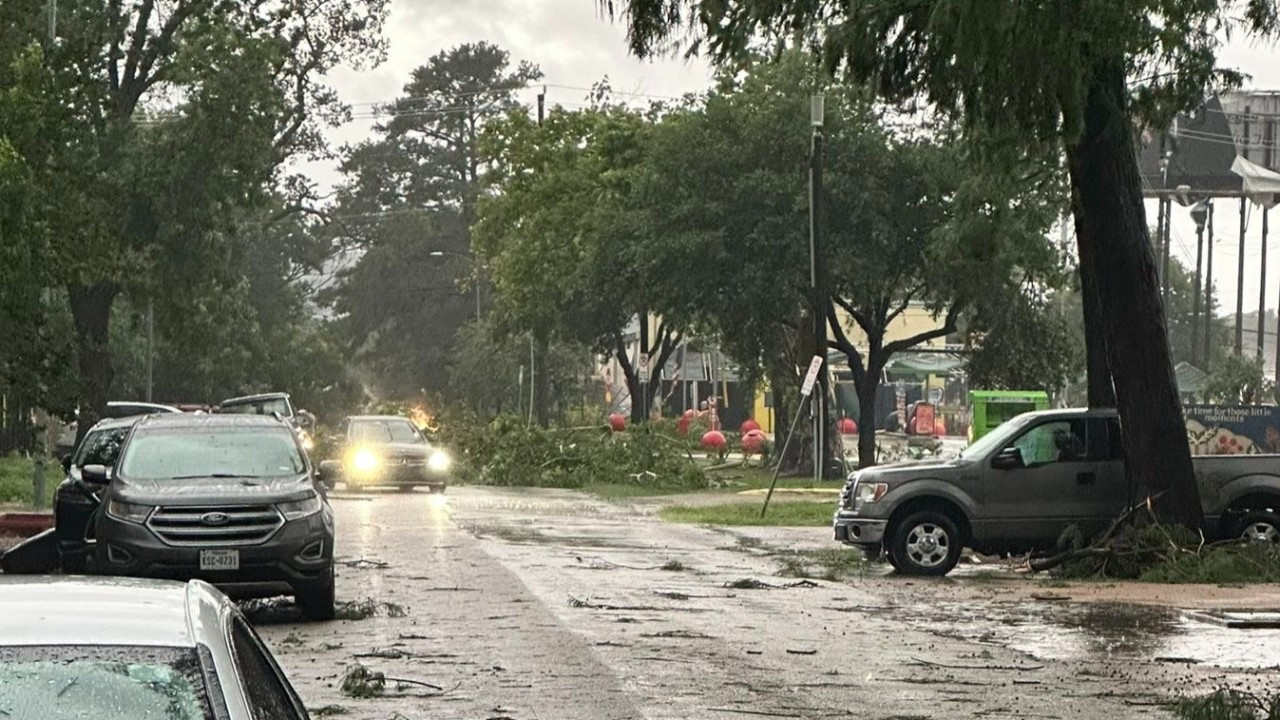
point(811, 377)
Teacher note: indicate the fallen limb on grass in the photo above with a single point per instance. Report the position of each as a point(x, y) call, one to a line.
point(1138, 546)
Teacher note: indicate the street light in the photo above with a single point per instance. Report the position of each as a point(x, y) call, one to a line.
point(475, 271)
point(1199, 213)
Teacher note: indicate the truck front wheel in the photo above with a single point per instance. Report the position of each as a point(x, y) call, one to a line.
point(925, 543)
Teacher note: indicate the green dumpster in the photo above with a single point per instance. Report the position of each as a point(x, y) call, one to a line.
point(989, 408)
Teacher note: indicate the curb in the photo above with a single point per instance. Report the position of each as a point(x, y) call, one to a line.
point(25, 524)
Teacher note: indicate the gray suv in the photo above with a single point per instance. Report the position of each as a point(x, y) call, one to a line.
point(230, 499)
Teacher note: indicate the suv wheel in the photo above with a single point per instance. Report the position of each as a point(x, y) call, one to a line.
point(1259, 526)
point(926, 543)
point(318, 602)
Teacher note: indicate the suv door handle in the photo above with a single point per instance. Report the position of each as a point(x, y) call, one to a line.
point(1086, 478)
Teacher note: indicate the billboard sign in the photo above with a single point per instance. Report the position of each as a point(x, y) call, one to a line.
point(1233, 430)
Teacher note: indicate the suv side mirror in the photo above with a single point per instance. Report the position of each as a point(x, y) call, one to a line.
point(95, 474)
point(1009, 458)
point(66, 463)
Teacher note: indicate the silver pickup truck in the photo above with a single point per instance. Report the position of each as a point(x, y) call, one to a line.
point(1020, 487)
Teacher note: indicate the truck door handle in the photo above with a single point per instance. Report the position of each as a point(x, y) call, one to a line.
point(1086, 478)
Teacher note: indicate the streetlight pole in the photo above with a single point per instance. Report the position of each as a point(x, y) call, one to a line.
point(816, 277)
point(475, 271)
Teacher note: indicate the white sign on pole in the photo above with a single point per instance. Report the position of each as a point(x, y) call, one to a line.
point(644, 367)
point(811, 377)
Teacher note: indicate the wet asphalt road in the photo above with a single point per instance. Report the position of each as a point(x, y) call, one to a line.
point(547, 604)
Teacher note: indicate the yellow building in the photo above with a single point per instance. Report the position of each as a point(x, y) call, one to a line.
point(914, 320)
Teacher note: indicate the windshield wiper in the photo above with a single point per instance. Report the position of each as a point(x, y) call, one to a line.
point(214, 476)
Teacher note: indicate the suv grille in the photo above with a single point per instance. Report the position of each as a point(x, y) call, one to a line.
point(212, 525)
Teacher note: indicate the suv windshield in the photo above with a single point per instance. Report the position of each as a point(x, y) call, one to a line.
point(222, 452)
point(259, 407)
point(100, 447)
point(105, 683)
point(385, 431)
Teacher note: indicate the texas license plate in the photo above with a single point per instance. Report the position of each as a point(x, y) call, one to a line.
point(219, 559)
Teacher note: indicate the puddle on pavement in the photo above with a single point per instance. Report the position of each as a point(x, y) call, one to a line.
point(1108, 631)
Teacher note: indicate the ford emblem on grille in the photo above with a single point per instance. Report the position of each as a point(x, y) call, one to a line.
point(215, 518)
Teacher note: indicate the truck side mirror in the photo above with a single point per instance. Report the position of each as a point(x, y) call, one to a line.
point(1008, 459)
point(66, 463)
point(95, 474)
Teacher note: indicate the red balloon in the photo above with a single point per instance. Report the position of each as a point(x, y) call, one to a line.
point(617, 422)
point(690, 413)
point(682, 425)
point(753, 442)
point(748, 425)
point(713, 440)
point(848, 426)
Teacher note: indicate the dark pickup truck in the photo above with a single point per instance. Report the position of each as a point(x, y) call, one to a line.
point(1021, 486)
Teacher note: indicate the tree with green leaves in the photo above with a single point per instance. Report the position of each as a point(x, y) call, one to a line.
point(727, 199)
point(1072, 74)
point(176, 114)
point(562, 240)
point(406, 209)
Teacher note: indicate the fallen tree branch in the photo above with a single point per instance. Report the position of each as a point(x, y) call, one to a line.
point(1020, 668)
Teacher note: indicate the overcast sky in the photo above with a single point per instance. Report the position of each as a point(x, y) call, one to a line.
point(575, 47)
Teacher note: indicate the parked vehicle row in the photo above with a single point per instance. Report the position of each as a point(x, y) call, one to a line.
point(1018, 488)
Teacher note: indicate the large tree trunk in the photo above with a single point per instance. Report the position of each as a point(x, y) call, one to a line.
point(868, 387)
point(1115, 254)
point(91, 313)
point(1101, 391)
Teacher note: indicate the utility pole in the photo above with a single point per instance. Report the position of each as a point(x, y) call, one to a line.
point(1167, 210)
point(1240, 283)
point(53, 20)
point(1262, 292)
point(817, 276)
point(538, 361)
point(1208, 292)
point(1198, 213)
point(151, 345)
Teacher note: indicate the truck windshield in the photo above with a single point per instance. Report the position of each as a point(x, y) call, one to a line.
point(266, 406)
point(116, 683)
point(222, 452)
point(995, 439)
point(385, 431)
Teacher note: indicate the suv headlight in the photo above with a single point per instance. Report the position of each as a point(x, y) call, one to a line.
point(439, 461)
point(299, 509)
point(129, 512)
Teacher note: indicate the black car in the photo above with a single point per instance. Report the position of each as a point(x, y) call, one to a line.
point(74, 505)
point(388, 450)
point(229, 499)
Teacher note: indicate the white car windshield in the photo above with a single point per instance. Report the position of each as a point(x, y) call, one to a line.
point(222, 452)
point(57, 683)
